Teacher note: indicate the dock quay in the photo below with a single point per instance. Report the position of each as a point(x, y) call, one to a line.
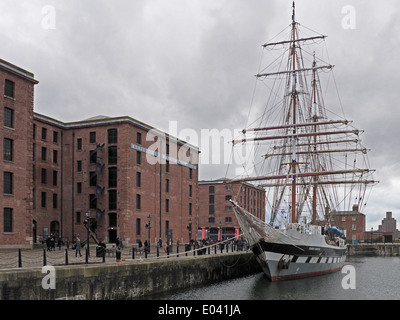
point(374, 249)
point(125, 278)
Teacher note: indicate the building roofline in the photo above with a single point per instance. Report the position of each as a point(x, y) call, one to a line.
point(105, 120)
point(18, 71)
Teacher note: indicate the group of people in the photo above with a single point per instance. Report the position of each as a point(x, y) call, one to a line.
point(51, 242)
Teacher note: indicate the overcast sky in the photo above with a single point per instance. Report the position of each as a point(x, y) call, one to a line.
point(193, 62)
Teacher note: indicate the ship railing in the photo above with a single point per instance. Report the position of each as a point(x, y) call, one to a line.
point(304, 228)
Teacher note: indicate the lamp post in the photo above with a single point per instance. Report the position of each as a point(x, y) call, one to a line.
point(189, 227)
point(372, 229)
point(148, 226)
point(87, 228)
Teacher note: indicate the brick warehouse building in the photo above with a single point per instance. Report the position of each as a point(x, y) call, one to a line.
point(114, 169)
point(108, 169)
point(217, 219)
point(16, 117)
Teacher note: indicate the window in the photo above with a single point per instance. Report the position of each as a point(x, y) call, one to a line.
point(228, 187)
point(138, 227)
point(138, 138)
point(138, 157)
point(44, 176)
point(167, 166)
point(92, 137)
point(43, 199)
point(8, 149)
point(138, 179)
point(79, 144)
point(228, 197)
point(44, 133)
point(190, 173)
point(9, 88)
point(228, 209)
point(93, 156)
point(167, 205)
point(8, 118)
point(138, 200)
point(112, 155)
point(190, 209)
point(55, 136)
point(112, 200)
point(167, 185)
point(79, 187)
point(112, 177)
point(78, 217)
point(228, 219)
point(211, 198)
point(211, 220)
point(93, 178)
point(8, 183)
point(166, 227)
point(79, 165)
point(55, 156)
point(8, 220)
point(211, 189)
point(92, 201)
point(112, 219)
point(211, 209)
point(353, 227)
point(44, 152)
point(167, 147)
point(54, 200)
point(112, 136)
point(190, 190)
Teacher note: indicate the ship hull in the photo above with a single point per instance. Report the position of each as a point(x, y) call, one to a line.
point(285, 262)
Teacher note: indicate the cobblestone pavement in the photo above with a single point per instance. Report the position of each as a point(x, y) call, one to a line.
point(9, 259)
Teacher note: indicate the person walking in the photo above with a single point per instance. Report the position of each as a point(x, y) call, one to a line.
point(78, 247)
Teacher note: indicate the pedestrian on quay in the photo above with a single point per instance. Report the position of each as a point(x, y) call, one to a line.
point(140, 246)
point(78, 247)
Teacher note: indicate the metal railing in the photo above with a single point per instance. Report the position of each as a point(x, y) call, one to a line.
point(12, 259)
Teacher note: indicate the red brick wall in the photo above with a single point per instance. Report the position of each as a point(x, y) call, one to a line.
point(21, 165)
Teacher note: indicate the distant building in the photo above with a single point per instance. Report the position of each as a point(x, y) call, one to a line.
point(351, 222)
point(217, 219)
point(387, 231)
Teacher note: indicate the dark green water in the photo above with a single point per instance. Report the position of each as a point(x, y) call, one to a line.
point(376, 278)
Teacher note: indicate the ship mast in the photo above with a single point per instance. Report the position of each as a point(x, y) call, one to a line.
point(304, 166)
point(294, 99)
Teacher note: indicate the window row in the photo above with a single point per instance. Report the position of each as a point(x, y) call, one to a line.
point(44, 134)
point(112, 138)
point(43, 154)
point(227, 220)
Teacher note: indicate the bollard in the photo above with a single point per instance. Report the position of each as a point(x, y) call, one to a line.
point(145, 253)
point(209, 250)
point(44, 257)
point(19, 259)
point(133, 253)
point(177, 252)
point(158, 251)
point(104, 255)
point(87, 256)
point(66, 256)
point(167, 251)
point(215, 249)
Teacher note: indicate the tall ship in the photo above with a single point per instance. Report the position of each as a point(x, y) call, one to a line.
point(310, 161)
